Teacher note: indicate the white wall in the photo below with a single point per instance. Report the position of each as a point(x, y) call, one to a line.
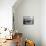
point(43, 22)
point(29, 8)
point(6, 13)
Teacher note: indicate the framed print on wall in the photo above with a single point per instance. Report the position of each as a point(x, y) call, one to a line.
point(28, 20)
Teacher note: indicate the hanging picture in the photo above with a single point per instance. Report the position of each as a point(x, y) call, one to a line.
point(28, 20)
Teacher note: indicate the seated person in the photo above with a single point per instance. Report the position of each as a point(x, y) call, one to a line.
point(18, 39)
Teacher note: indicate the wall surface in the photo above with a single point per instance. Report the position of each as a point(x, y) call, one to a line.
point(43, 22)
point(6, 13)
point(29, 8)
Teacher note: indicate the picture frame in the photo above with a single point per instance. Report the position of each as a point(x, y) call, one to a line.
point(28, 20)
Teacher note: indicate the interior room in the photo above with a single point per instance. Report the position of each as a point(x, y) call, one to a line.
point(22, 22)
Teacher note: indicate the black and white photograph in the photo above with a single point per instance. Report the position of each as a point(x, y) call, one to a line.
point(28, 20)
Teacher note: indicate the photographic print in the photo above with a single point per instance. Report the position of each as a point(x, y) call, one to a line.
point(28, 20)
